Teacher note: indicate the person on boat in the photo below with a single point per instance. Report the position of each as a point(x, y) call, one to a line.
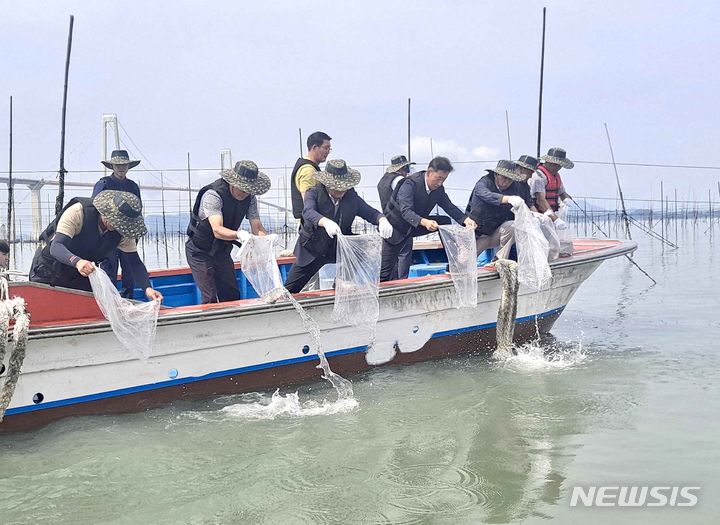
point(218, 212)
point(408, 210)
point(302, 176)
point(399, 169)
point(491, 203)
point(546, 186)
point(120, 164)
point(330, 209)
point(86, 231)
point(526, 165)
point(4, 255)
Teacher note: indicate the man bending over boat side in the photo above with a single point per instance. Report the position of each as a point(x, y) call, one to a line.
point(220, 208)
point(408, 210)
point(491, 203)
point(88, 231)
point(330, 208)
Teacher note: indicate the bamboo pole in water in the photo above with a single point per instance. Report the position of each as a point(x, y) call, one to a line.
point(190, 202)
point(507, 126)
point(617, 179)
point(301, 144)
point(162, 203)
point(61, 172)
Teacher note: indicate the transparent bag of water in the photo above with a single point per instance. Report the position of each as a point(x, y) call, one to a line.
point(532, 249)
point(357, 280)
point(459, 243)
point(551, 235)
point(134, 323)
point(259, 265)
point(564, 236)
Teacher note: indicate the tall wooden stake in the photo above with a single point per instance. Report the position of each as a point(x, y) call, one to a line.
point(190, 202)
point(617, 179)
point(542, 71)
point(10, 215)
point(301, 144)
point(507, 126)
point(61, 172)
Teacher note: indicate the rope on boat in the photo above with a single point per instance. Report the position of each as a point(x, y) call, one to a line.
point(507, 311)
point(12, 309)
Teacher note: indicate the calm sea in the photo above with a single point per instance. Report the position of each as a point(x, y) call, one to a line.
point(625, 393)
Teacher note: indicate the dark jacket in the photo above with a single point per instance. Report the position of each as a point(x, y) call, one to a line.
point(113, 183)
point(296, 196)
point(485, 205)
point(89, 244)
point(410, 202)
point(313, 241)
point(233, 213)
point(385, 189)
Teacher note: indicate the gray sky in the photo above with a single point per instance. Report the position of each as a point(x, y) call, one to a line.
point(200, 76)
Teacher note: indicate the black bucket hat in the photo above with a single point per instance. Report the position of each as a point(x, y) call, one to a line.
point(120, 156)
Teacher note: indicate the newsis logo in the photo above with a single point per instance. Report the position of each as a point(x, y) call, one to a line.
point(636, 496)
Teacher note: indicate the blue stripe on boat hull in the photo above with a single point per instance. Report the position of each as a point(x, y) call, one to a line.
point(244, 370)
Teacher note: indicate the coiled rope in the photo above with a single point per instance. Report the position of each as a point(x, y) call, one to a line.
point(507, 311)
point(11, 309)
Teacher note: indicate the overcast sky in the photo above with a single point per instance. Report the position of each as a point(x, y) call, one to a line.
point(186, 76)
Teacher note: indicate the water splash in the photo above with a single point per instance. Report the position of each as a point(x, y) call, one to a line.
point(533, 356)
point(288, 405)
point(342, 386)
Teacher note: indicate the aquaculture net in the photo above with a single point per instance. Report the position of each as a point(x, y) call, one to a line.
point(459, 243)
point(134, 323)
point(532, 249)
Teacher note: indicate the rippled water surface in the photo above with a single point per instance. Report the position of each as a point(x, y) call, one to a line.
point(624, 393)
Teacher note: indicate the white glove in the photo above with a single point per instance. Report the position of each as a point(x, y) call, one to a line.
point(331, 228)
point(243, 236)
point(515, 201)
point(560, 224)
point(385, 228)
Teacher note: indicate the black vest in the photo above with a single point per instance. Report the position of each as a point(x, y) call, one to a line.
point(424, 202)
point(489, 217)
point(233, 213)
point(297, 200)
point(385, 188)
point(313, 238)
point(89, 244)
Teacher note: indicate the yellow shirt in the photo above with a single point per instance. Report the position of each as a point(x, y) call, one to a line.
point(304, 179)
point(71, 222)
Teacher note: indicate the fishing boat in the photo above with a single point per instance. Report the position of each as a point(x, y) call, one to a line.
point(75, 365)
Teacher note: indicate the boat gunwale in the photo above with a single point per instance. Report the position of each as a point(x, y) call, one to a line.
point(255, 306)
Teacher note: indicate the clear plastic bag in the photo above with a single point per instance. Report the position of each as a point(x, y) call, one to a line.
point(459, 243)
point(532, 248)
point(357, 280)
point(551, 235)
point(134, 323)
point(259, 265)
point(564, 236)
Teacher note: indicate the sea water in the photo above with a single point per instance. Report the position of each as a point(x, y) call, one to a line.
point(623, 392)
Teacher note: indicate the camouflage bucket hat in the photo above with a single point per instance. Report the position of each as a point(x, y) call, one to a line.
point(397, 163)
point(507, 168)
point(120, 156)
point(123, 210)
point(558, 156)
point(337, 176)
point(246, 177)
point(527, 162)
